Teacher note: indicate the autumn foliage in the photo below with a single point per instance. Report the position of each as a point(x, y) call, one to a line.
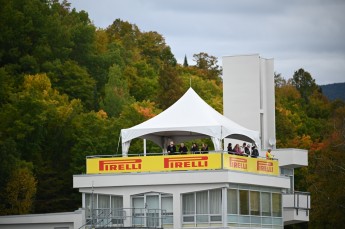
point(67, 89)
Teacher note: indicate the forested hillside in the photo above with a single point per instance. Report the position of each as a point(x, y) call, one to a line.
point(334, 91)
point(67, 88)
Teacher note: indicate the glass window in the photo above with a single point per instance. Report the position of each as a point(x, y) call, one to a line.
point(152, 210)
point(287, 172)
point(266, 204)
point(277, 204)
point(202, 207)
point(216, 201)
point(167, 207)
point(254, 203)
point(138, 211)
point(116, 202)
point(188, 204)
point(232, 201)
point(244, 202)
point(90, 204)
point(202, 202)
point(167, 204)
point(103, 201)
point(104, 209)
point(117, 209)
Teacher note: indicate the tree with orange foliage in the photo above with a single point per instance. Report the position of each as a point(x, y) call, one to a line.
point(326, 176)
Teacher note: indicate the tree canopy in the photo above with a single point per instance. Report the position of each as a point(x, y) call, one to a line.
point(67, 88)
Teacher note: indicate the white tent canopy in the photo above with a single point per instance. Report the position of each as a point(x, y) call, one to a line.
point(187, 119)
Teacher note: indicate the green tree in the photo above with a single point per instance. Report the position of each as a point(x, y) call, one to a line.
point(143, 81)
point(116, 92)
point(71, 79)
point(9, 157)
point(326, 171)
point(124, 33)
point(38, 123)
point(94, 134)
point(185, 61)
point(279, 81)
point(304, 83)
point(137, 113)
point(19, 192)
point(209, 65)
point(6, 86)
point(152, 46)
point(170, 87)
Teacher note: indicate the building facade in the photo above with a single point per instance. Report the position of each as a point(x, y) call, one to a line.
point(214, 190)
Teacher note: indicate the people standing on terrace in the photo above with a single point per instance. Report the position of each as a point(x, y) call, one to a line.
point(195, 149)
point(237, 149)
point(247, 149)
point(230, 148)
point(243, 147)
point(171, 148)
point(183, 149)
point(255, 152)
point(204, 148)
point(269, 156)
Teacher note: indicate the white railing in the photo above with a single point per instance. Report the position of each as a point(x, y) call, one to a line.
point(298, 201)
point(139, 218)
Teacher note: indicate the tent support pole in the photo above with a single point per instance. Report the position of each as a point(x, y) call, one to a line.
point(118, 143)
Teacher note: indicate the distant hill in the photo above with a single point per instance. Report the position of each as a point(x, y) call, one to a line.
point(334, 91)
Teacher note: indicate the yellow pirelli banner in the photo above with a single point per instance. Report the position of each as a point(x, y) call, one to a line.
point(181, 162)
point(154, 163)
point(252, 165)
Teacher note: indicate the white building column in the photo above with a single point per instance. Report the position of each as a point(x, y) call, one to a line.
point(177, 200)
point(127, 205)
point(225, 207)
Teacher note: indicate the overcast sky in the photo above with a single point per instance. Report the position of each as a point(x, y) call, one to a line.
point(308, 34)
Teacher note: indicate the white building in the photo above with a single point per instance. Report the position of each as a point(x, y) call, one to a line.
point(248, 94)
point(214, 190)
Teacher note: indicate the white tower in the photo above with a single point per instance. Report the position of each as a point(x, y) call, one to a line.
point(248, 94)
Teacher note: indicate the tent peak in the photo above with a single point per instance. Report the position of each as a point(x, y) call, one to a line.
point(188, 114)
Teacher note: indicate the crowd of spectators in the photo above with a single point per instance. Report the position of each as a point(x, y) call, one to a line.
point(171, 149)
point(245, 150)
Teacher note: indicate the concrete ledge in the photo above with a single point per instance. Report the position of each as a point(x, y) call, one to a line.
point(291, 158)
point(49, 220)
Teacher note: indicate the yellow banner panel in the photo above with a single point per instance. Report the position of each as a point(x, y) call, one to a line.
point(252, 165)
point(153, 163)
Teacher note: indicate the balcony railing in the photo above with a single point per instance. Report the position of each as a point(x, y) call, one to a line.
point(115, 218)
point(302, 201)
point(299, 201)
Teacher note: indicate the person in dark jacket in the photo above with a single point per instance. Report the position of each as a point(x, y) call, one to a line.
point(247, 150)
point(183, 149)
point(255, 152)
point(195, 149)
point(230, 150)
point(204, 148)
point(171, 148)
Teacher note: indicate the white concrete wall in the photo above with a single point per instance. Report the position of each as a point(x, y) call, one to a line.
point(178, 179)
point(291, 215)
point(71, 220)
point(248, 94)
point(291, 158)
point(175, 183)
